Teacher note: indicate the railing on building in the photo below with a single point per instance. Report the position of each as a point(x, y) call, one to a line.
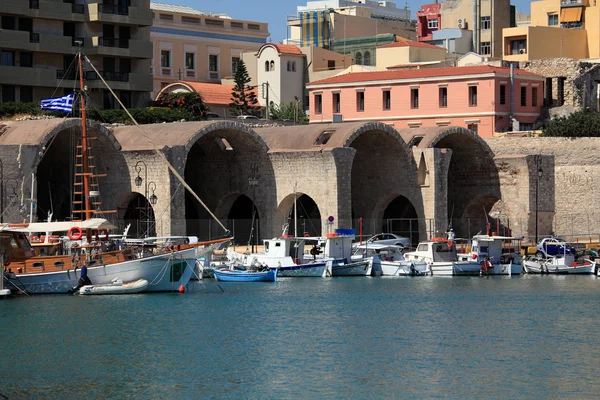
point(113, 9)
point(571, 25)
point(114, 42)
point(34, 4)
point(92, 76)
point(571, 3)
point(77, 9)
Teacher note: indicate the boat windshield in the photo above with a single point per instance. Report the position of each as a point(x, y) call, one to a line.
point(441, 252)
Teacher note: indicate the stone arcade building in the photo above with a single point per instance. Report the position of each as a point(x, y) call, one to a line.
point(417, 178)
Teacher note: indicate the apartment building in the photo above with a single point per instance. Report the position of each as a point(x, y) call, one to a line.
point(328, 23)
point(558, 28)
point(477, 98)
point(39, 40)
point(194, 46)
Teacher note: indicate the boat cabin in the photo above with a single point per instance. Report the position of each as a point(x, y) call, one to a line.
point(15, 246)
point(381, 251)
point(434, 251)
point(285, 247)
point(496, 248)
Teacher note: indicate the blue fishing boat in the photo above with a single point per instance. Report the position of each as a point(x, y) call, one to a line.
point(226, 275)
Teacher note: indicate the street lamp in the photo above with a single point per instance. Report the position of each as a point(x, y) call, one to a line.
point(153, 198)
point(539, 173)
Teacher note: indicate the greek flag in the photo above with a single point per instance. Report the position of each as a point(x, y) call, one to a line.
point(64, 104)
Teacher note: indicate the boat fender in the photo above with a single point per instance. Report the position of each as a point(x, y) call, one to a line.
point(75, 233)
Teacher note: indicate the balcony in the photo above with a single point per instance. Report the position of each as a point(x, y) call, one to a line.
point(116, 80)
point(116, 14)
point(120, 47)
point(31, 41)
point(12, 75)
point(15, 7)
point(571, 25)
point(58, 10)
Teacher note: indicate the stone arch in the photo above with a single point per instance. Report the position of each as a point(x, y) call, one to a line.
point(367, 58)
point(471, 173)
point(237, 217)
point(133, 208)
point(398, 215)
point(309, 215)
point(55, 169)
point(358, 58)
point(476, 215)
point(223, 161)
point(382, 168)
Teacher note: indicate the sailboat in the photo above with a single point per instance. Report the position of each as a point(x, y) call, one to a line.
point(164, 268)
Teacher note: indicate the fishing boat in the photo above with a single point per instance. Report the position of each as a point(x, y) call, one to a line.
point(556, 256)
point(495, 255)
point(115, 287)
point(388, 260)
point(165, 268)
point(442, 259)
point(232, 275)
point(335, 249)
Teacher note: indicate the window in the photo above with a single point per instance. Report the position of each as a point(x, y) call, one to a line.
point(165, 58)
point(318, 104)
point(443, 97)
point(8, 93)
point(518, 46)
point(214, 22)
point(266, 66)
point(190, 20)
point(336, 102)
point(472, 127)
point(360, 101)
point(387, 100)
point(272, 65)
point(254, 27)
point(502, 94)
point(330, 64)
point(552, 19)
point(237, 25)
point(9, 23)
point(432, 24)
point(26, 24)
point(289, 65)
point(293, 66)
point(26, 95)
point(125, 98)
point(523, 96)
point(213, 63)
point(26, 59)
point(235, 61)
point(414, 98)
point(358, 58)
point(8, 58)
point(189, 61)
point(486, 48)
point(166, 17)
point(486, 23)
point(534, 100)
point(472, 96)
point(108, 100)
point(367, 59)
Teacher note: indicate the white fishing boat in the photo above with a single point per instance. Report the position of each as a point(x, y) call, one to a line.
point(556, 256)
point(336, 250)
point(115, 287)
point(388, 260)
point(495, 255)
point(441, 257)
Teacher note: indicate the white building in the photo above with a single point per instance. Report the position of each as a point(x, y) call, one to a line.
point(379, 9)
point(280, 68)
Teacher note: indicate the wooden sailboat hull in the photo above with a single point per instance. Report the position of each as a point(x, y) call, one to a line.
point(165, 273)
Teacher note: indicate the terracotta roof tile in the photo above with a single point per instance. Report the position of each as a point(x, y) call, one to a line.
point(360, 77)
point(286, 48)
point(409, 43)
point(212, 93)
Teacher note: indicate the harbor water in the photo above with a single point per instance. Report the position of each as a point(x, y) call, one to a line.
point(499, 337)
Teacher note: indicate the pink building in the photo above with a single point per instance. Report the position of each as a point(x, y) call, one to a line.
point(477, 98)
point(429, 19)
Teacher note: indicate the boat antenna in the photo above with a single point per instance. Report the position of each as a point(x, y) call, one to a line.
point(158, 152)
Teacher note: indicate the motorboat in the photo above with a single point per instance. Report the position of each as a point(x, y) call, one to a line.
point(335, 249)
point(388, 260)
point(442, 259)
point(495, 255)
point(115, 287)
point(555, 256)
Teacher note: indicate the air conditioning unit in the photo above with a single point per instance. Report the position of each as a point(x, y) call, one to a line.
point(461, 23)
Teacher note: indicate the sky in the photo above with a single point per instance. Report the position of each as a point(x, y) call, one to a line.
point(274, 12)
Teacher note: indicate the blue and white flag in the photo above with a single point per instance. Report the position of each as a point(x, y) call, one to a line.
point(64, 103)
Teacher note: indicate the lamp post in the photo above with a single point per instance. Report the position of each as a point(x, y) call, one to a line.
point(539, 172)
point(253, 182)
point(152, 199)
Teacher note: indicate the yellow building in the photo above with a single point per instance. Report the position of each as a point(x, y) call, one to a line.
point(194, 46)
point(559, 28)
point(39, 40)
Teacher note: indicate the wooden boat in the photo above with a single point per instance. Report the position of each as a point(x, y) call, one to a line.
point(227, 275)
point(116, 287)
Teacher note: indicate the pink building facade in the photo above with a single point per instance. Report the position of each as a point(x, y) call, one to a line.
point(429, 19)
point(476, 98)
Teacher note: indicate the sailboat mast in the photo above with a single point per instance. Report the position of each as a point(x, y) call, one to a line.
point(295, 212)
point(84, 161)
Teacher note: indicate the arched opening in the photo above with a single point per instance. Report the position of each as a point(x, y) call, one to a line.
point(56, 186)
point(400, 218)
point(136, 210)
point(358, 59)
point(309, 216)
point(423, 172)
point(272, 66)
point(243, 221)
point(484, 214)
point(293, 66)
point(266, 66)
point(367, 58)
point(289, 66)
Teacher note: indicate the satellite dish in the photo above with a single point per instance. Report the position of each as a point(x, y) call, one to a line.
point(494, 214)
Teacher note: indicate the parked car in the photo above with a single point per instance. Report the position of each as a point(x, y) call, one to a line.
point(247, 117)
point(389, 239)
point(212, 115)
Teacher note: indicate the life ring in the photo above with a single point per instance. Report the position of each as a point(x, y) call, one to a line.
point(35, 239)
point(75, 233)
point(104, 231)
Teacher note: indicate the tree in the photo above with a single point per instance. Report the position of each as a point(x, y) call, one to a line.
point(191, 103)
point(579, 124)
point(288, 112)
point(243, 98)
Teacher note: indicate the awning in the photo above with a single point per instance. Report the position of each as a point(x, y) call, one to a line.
point(63, 226)
point(571, 14)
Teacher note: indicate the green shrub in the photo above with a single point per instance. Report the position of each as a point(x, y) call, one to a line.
point(579, 124)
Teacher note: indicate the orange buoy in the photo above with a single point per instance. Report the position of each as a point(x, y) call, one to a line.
point(181, 289)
